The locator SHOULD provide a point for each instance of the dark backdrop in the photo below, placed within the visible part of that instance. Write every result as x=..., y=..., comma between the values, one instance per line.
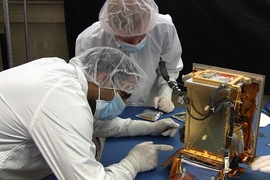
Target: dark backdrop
x=226, y=33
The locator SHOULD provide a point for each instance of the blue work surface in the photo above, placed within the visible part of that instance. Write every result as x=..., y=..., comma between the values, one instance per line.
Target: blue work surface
x=116, y=149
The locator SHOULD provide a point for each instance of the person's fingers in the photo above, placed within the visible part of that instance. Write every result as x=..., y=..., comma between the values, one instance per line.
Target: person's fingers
x=170, y=132
x=173, y=124
x=163, y=147
x=255, y=168
x=170, y=122
x=147, y=142
x=161, y=102
x=166, y=105
x=155, y=101
x=166, y=133
x=261, y=159
x=173, y=132
x=265, y=169
x=262, y=164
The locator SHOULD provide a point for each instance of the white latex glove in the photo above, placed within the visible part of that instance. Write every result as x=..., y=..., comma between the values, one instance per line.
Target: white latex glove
x=143, y=157
x=164, y=127
x=163, y=101
x=261, y=164
x=164, y=104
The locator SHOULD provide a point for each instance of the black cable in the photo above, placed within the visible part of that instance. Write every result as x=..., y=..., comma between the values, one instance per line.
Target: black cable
x=213, y=109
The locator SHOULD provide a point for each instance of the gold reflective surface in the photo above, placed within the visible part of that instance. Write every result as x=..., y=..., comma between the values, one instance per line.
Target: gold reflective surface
x=222, y=118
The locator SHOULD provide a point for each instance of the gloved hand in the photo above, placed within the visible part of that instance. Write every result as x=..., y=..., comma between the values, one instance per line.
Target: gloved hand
x=164, y=104
x=143, y=157
x=164, y=127
x=261, y=164
x=163, y=101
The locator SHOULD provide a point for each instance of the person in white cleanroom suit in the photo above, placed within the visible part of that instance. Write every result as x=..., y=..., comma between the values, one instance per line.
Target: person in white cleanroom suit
x=136, y=28
x=47, y=117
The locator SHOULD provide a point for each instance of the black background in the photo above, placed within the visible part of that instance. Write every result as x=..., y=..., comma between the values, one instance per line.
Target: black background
x=232, y=34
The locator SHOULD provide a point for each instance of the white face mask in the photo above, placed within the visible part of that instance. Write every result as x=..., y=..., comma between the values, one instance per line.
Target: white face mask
x=132, y=48
x=108, y=110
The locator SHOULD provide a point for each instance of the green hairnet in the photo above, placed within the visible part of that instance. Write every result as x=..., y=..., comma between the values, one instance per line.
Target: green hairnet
x=110, y=68
x=128, y=17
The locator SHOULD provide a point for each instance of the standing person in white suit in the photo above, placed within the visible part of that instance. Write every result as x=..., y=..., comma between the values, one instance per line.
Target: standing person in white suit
x=136, y=28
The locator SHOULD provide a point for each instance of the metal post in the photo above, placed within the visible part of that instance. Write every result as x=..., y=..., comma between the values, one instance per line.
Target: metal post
x=7, y=32
x=26, y=31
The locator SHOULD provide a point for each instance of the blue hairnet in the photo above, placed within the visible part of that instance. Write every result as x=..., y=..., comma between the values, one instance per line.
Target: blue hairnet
x=128, y=18
x=110, y=68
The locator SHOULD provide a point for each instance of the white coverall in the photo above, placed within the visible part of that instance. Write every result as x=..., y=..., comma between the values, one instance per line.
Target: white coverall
x=162, y=42
x=46, y=124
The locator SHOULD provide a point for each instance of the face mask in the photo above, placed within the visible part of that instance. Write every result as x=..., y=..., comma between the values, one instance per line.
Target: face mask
x=133, y=48
x=108, y=110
